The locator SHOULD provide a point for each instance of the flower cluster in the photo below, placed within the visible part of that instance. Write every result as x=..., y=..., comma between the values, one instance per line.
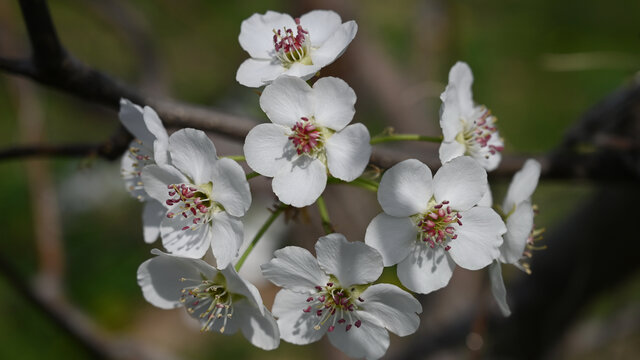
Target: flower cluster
x=429, y=224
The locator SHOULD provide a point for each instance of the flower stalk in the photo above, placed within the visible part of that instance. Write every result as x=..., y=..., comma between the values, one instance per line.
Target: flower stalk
x=274, y=215
x=404, y=137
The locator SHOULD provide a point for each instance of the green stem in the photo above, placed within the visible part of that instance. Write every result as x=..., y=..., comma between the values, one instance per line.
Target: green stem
x=261, y=232
x=359, y=182
x=324, y=215
x=251, y=175
x=235, y=157
x=404, y=137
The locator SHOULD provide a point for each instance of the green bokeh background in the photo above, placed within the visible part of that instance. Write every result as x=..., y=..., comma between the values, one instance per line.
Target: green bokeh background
x=512, y=47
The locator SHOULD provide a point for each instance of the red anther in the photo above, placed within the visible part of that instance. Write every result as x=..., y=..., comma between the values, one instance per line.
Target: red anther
x=308, y=309
x=184, y=214
x=448, y=209
x=319, y=312
x=322, y=298
x=171, y=193
x=170, y=215
x=185, y=228
x=434, y=216
x=430, y=224
x=318, y=288
x=446, y=248
x=169, y=202
x=449, y=230
x=445, y=202
x=329, y=284
x=438, y=206
x=170, y=186
x=344, y=301
x=358, y=323
x=333, y=311
x=331, y=328
x=441, y=212
x=459, y=215
x=361, y=299
x=309, y=299
x=454, y=237
x=459, y=222
x=342, y=321
x=193, y=211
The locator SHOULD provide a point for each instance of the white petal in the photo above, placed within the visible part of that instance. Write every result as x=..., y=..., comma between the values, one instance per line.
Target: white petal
x=152, y=215
x=405, y=189
x=487, y=198
x=519, y=226
x=320, y=24
x=238, y=285
x=353, y=263
x=230, y=187
x=450, y=150
x=348, y=152
x=286, y=100
x=461, y=77
x=393, y=237
x=160, y=276
x=267, y=149
x=161, y=143
x=188, y=243
x=294, y=268
x=425, y=269
x=369, y=341
x=258, y=72
x=131, y=116
x=450, y=114
x=479, y=238
x=302, y=71
x=227, y=234
x=193, y=153
x=300, y=182
x=157, y=178
x=497, y=287
x=334, y=103
x=256, y=33
x=335, y=45
x=295, y=325
x=461, y=181
x=260, y=328
x=395, y=308
x=523, y=184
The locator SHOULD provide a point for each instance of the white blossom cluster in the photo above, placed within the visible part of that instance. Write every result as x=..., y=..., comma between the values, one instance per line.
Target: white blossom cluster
x=429, y=224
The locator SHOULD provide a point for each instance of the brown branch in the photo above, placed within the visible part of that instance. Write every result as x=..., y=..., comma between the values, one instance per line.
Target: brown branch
x=61, y=71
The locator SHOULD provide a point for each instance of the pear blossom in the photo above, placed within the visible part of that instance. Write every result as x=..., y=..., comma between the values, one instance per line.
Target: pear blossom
x=518, y=215
x=333, y=294
x=149, y=147
x=220, y=299
x=203, y=198
x=279, y=44
x=308, y=137
x=468, y=129
x=430, y=224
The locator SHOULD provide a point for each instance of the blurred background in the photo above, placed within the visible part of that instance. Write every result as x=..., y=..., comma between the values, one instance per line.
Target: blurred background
x=70, y=230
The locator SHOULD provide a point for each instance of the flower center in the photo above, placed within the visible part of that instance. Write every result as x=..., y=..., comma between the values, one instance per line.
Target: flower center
x=479, y=134
x=140, y=157
x=535, y=236
x=436, y=226
x=307, y=137
x=334, y=302
x=192, y=202
x=290, y=48
x=210, y=299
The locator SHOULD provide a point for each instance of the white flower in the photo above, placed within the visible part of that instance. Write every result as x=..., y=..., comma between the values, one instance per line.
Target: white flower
x=279, y=44
x=220, y=299
x=332, y=295
x=421, y=228
x=518, y=213
x=468, y=129
x=149, y=147
x=203, y=196
x=308, y=135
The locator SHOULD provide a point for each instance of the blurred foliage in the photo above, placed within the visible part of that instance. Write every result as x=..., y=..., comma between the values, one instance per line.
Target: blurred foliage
x=512, y=47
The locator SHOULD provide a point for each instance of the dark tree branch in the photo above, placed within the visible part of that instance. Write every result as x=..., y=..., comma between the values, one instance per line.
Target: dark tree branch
x=63, y=72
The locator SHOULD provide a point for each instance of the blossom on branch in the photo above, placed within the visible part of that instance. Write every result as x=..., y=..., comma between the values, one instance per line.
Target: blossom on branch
x=203, y=197
x=431, y=224
x=333, y=294
x=279, y=44
x=220, y=299
x=468, y=129
x=518, y=214
x=149, y=147
x=308, y=136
